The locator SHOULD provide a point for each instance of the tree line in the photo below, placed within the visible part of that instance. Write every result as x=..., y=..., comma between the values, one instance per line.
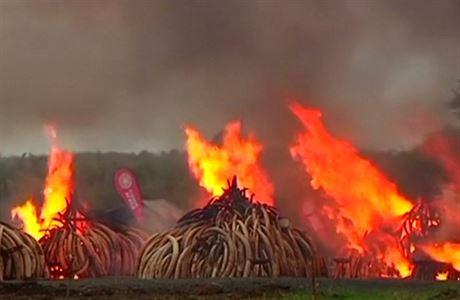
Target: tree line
x=162, y=175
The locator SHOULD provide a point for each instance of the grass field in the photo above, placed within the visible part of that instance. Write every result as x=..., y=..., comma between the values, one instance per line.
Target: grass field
x=210, y=289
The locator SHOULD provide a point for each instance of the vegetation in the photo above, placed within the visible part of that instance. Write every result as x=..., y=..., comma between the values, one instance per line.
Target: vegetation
x=166, y=176
x=289, y=289
x=162, y=176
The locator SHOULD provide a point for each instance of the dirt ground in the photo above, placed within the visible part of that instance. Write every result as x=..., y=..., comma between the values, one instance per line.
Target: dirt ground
x=230, y=288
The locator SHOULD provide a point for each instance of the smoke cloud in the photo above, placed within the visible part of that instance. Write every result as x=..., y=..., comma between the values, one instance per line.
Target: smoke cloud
x=128, y=75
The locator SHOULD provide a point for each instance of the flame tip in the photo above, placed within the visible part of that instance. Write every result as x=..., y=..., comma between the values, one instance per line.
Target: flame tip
x=215, y=165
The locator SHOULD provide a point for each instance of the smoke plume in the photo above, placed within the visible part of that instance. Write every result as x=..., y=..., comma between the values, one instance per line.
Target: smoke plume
x=127, y=75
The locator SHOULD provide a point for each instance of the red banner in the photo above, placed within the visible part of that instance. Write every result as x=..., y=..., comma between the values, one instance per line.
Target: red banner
x=128, y=187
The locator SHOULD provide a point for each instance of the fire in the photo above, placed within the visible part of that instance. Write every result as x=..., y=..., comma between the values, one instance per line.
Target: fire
x=442, y=276
x=214, y=165
x=28, y=212
x=369, y=207
x=446, y=253
x=57, y=193
x=444, y=147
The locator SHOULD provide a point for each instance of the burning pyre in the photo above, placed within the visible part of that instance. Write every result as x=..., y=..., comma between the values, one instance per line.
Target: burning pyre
x=231, y=236
x=385, y=234
x=92, y=250
x=73, y=245
x=382, y=228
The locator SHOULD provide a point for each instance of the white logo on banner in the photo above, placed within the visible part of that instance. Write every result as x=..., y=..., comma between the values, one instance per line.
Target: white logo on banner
x=125, y=181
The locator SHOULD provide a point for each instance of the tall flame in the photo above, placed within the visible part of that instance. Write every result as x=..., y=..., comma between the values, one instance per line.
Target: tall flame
x=368, y=205
x=213, y=165
x=57, y=192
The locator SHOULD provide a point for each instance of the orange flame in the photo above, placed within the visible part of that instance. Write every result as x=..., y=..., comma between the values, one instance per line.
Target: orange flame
x=366, y=201
x=444, y=147
x=442, y=276
x=445, y=253
x=57, y=193
x=213, y=165
x=28, y=212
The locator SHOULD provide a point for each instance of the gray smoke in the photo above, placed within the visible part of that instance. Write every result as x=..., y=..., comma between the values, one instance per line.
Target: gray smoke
x=127, y=75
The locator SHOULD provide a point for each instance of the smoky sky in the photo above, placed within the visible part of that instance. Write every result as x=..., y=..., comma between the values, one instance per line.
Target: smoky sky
x=129, y=75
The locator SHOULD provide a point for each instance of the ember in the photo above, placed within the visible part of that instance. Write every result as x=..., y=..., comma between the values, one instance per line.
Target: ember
x=99, y=251
x=442, y=276
x=231, y=236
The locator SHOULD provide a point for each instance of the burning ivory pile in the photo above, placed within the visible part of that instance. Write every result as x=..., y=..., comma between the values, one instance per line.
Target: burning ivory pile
x=231, y=236
x=80, y=248
x=21, y=255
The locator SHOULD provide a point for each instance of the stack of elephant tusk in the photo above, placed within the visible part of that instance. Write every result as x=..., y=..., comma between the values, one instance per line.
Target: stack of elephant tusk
x=21, y=255
x=92, y=250
x=232, y=236
x=417, y=223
